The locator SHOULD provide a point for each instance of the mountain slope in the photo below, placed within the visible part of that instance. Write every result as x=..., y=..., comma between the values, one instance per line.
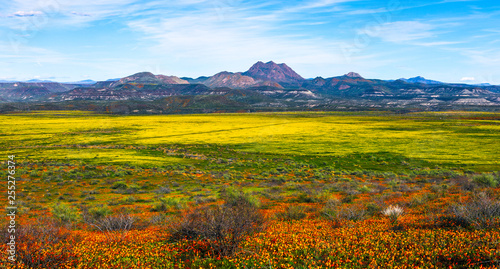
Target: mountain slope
x=236, y=81
x=422, y=80
x=280, y=73
x=230, y=80
x=149, y=78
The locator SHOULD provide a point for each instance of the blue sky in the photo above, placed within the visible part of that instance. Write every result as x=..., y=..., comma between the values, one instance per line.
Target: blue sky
x=71, y=40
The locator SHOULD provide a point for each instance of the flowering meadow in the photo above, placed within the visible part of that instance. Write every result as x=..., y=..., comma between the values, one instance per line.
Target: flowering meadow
x=269, y=190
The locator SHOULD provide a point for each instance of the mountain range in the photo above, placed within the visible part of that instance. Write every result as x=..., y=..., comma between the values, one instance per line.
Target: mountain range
x=262, y=86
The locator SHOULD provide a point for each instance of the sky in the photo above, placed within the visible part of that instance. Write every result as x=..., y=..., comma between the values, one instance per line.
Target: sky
x=71, y=40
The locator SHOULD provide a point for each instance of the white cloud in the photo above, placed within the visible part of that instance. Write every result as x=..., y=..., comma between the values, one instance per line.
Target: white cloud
x=468, y=79
x=26, y=13
x=366, y=11
x=80, y=14
x=324, y=3
x=317, y=4
x=201, y=38
x=488, y=58
x=64, y=12
x=437, y=43
x=400, y=31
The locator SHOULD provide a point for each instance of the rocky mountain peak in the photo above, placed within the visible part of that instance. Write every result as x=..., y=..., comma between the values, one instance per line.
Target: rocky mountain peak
x=273, y=72
x=353, y=75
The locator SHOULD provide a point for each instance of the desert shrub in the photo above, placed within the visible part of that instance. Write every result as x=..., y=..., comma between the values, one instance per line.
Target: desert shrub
x=43, y=243
x=394, y=184
x=349, y=198
x=334, y=211
x=131, y=189
x=159, y=219
x=98, y=211
x=165, y=204
x=65, y=213
x=119, y=185
x=393, y=212
x=163, y=190
x=204, y=200
x=364, y=189
x=372, y=209
x=352, y=213
x=235, y=197
x=223, y=227
x=417, y=200
x=292, y=213
x=331, y=207
x=117, y=222
x=488, y=180
x=481, y=211
x=465, y=184
x=309, y=197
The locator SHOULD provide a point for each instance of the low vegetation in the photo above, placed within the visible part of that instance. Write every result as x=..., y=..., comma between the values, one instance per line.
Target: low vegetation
x=290, y=190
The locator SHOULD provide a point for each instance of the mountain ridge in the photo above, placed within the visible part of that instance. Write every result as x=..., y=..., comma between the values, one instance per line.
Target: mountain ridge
x=264, y=85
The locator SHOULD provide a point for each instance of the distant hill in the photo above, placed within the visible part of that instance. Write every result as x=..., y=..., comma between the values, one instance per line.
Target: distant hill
x=263, y=87
x=195, y=80
x=270, y=71
x=37, y=81
x=231, y=80
x=149, y=78
x=422, y=80
x=236, y=81
x=82, y=82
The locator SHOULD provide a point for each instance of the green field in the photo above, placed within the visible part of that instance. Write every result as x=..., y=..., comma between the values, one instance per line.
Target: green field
x=457, y=140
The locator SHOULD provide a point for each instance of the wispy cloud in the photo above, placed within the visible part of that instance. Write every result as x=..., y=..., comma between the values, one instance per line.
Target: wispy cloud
x=30, y=54
x=485, y=57
x=315, y=5
x=437, y=43
x=80, y=14
x=396, y=6
x=400, y=31
x=366, y=11
x=65, y=13
x=468, y=79
x=247, y=35
x=203, y=36
x=323, y=3
x=25, y=13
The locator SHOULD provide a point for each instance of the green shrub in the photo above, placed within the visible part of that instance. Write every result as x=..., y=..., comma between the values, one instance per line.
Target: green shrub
x=292, y=213
x=234, y=197
x=304, y=197
x=331, y=207
x=119, y=185
x=65, y=213
x=129, y=200
x=334, y=211
x=417, y=201
x=99, y=211
x=488, y=180
x=364, y=189
x=394, y=184
x=165, y=204
x=373, y=209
